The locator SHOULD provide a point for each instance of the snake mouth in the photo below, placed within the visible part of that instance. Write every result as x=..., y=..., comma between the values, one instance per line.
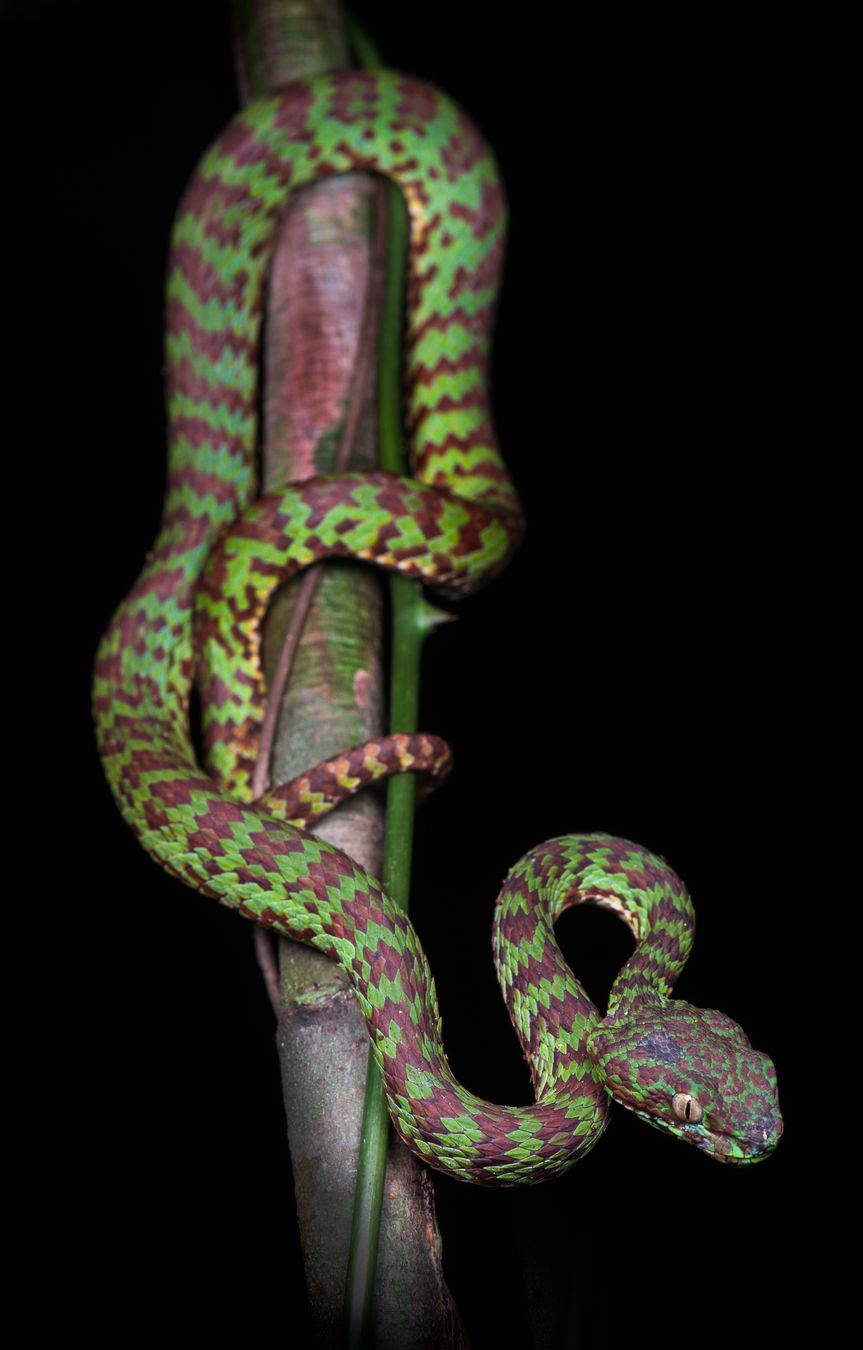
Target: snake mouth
x=735, y=1149
x=740, y=1150
x=730, y=1151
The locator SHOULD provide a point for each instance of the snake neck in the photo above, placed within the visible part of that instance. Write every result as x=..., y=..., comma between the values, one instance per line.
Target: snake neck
x=598, y=869
x=663, y=922
x=555, y=1025
x=644, y=995
x=645, y=981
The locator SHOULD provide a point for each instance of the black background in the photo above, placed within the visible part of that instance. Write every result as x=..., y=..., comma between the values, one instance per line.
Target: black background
x=667, y=659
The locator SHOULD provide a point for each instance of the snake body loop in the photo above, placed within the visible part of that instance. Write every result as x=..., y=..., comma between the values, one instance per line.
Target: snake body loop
x=200, y=601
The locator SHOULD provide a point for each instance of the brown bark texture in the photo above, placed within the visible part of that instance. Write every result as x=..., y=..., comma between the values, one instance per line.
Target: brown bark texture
x=317, y=298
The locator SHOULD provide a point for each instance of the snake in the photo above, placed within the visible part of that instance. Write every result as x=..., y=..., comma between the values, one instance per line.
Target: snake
x=195, y=614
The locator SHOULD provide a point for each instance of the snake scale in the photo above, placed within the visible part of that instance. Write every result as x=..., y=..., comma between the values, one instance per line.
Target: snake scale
x=196, y=612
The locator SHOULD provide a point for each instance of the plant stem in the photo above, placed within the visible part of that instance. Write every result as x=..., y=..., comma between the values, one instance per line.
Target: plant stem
x=412, y=618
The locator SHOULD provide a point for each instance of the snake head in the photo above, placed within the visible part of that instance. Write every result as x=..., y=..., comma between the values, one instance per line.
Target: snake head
x=691, y=1072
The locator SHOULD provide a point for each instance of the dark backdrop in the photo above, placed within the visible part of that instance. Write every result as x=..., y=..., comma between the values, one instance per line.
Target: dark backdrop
x=665, y=659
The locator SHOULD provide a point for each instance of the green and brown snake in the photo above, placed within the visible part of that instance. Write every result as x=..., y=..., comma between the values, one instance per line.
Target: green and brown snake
x=197, y=609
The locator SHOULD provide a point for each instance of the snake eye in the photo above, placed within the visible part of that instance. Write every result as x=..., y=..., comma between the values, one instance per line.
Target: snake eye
x=686, y=1107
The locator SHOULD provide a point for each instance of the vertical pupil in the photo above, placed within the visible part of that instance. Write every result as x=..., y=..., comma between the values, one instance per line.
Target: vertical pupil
x=687, y=1110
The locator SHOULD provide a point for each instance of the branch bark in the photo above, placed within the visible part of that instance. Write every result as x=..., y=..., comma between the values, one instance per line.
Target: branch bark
x=319, y=284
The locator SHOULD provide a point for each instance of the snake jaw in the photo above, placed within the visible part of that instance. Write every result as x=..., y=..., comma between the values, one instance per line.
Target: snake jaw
x=736, y=1149
x=739, y=1150
x=725, y=1148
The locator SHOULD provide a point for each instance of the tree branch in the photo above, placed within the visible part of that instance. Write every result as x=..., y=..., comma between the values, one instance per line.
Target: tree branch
x=317, y=344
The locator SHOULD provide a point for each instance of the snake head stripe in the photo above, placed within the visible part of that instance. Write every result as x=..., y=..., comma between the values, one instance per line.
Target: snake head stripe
x=691, y=1072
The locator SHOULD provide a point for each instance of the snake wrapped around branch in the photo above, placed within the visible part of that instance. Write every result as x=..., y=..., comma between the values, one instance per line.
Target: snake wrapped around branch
x=196, y=613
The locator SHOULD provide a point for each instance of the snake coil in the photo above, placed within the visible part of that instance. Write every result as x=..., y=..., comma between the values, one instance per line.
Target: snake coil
x=200, y=602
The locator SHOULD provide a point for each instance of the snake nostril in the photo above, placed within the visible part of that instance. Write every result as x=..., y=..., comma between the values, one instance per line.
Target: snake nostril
x=767, y=1127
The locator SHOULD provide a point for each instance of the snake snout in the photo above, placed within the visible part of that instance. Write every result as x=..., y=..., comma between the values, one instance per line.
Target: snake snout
x=756, y=1142
x=766, y=1130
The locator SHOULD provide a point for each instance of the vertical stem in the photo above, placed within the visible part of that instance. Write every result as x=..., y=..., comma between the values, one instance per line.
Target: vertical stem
x=412, y=619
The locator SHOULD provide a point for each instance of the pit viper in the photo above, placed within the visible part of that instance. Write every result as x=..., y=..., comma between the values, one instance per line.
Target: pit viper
x=196, y=613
